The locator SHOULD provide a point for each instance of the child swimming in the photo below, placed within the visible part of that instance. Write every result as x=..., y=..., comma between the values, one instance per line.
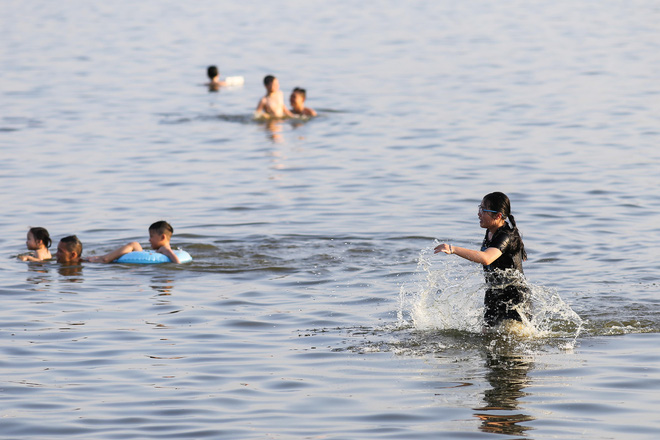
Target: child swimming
x=297, y=100
x=38, y=241
x=272, y=105
x=160, y=234
x=214, y=75
x=502, y=253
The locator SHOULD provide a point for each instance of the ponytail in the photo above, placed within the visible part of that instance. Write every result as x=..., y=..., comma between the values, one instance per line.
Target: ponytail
x=518, y=236
x=41, y=234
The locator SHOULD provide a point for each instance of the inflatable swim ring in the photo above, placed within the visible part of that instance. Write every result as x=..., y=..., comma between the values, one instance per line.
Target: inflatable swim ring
x=152, y=257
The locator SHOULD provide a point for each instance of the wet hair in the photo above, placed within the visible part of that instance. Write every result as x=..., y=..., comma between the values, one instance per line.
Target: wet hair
x=162, y=227
x=72, y=244
x=303, y=92
x=42, y=235
x=268, y=80
x=499, y=202
x=212, y=72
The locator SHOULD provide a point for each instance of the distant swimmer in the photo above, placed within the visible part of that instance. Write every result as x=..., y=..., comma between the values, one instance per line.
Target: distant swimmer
x=160, y=234
x=38, y=241
x=297, y=100
x=214, y=75
x=272, y=105
x=215, y=82
x=502, y=253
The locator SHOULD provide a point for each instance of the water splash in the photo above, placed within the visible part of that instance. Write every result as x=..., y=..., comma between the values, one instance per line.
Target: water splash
x=449, y=296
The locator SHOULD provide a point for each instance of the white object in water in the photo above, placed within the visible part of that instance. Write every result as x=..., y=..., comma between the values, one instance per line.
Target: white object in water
x=234, y=80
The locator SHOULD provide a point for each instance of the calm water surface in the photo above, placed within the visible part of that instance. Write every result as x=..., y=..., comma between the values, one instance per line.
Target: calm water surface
x=314, y=307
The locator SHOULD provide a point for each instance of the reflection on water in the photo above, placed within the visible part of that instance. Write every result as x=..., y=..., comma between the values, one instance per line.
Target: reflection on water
x=39, y=273
x=162, y=285
x=274, y=130
x=506, y=374
x=71, y=273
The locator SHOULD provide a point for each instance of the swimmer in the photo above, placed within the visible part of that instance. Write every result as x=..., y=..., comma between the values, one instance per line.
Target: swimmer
x=214, y=75
x=502, y=253
x=272, y=105
x=297, y=100
x=69, y=250
x=160, y=234
x=38, y=241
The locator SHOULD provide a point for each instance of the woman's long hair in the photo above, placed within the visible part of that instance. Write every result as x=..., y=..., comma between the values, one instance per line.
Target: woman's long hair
x=499, y=202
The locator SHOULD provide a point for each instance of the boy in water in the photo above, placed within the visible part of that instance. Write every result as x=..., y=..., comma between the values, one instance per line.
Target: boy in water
x=272, y=105
x=214, y=75
x=297, y=100
x=69, y=250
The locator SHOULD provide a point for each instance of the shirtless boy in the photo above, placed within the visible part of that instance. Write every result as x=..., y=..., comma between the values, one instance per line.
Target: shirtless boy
x=272, y=105
x=297, y=100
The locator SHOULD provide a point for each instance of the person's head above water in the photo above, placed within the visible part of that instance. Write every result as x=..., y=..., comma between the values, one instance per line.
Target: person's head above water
x=160, y=234
x=212, y=72
x=38, y=235
x=69, y=250
x=297, y=99
x=300, y=91
x=271, y=83
x=498, y=206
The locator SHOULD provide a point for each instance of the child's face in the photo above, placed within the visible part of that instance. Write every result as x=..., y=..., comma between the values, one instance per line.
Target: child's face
x=297, y=101
x=63, y=255
x=157, y=240
x=274, y=86
x=31, y=243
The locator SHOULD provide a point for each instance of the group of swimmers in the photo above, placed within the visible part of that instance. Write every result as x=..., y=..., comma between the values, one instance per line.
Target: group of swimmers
x=501, y=255
x=272, y=104
x=70, y=248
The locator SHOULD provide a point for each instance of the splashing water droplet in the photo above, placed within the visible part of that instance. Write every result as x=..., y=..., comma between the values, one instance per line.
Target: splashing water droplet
x=449, y=296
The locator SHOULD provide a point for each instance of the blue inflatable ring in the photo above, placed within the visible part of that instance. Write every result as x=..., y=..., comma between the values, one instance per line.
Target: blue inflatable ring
x=152, y=257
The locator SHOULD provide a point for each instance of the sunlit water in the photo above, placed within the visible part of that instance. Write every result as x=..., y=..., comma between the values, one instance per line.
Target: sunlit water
x=314, y=307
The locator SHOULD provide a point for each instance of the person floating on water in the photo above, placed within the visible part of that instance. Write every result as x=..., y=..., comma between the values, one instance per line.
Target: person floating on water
x=272, y=105
x=297, y=100
x=160, y=234
x=502, y=253
x=69, y=249
x=38, y=241
x=215, y=83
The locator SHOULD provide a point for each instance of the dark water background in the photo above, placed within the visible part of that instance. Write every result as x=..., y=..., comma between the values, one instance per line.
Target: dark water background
x=313, y=307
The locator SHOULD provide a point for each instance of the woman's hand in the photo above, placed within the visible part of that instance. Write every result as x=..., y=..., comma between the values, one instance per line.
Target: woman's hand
x=444, y=247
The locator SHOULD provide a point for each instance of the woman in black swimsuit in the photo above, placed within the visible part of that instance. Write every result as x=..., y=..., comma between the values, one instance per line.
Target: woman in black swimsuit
x=502, y=253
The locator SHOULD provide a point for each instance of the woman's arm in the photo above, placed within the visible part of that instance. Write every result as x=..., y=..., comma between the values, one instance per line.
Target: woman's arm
x=482, y=257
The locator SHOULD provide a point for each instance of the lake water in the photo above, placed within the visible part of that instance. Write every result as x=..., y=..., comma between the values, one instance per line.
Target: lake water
x=314, y=307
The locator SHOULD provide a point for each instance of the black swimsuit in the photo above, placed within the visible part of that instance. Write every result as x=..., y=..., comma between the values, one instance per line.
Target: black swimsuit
x=504, y=278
